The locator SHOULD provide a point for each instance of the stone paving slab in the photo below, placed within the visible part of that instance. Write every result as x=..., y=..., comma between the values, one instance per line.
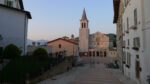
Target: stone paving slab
x=97, y=75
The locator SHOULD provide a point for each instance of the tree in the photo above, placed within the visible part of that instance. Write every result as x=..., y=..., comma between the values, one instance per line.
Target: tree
x=1, y=38
x=40, y=53
x=114, y=43
x=11, y=51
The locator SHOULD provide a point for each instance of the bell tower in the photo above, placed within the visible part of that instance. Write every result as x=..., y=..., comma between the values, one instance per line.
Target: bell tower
x=84, y=35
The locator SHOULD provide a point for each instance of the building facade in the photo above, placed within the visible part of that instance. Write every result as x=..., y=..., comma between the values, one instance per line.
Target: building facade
x=14, y=24
x=84, y=35
x=64, y=47
x=31, y=48
x=135, y=23
x=98, y=45
x=118, y=10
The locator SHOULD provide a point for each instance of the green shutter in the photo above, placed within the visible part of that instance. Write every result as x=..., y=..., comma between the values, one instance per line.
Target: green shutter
x=11, y=4
x=5, y=2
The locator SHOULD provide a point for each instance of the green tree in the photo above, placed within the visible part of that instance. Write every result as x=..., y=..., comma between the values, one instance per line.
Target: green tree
x=114, y=43
x=40, y=53
x=11, y=51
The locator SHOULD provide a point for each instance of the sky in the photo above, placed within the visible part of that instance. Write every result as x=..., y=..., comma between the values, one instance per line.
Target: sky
x=52, y=19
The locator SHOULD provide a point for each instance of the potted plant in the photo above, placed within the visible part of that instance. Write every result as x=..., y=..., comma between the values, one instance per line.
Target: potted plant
x=127, y=31
x=148, y=79
x=135, y=48
x=134, y=27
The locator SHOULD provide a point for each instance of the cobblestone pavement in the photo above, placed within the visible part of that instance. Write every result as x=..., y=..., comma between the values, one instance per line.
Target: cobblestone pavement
x=96, y=74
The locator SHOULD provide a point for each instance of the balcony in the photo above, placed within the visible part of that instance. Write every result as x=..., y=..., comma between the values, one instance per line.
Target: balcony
x=135, y=48
x=133, y=27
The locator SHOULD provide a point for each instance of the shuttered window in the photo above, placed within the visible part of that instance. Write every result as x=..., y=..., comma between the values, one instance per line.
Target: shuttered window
x=136, y=42
x=135, y=17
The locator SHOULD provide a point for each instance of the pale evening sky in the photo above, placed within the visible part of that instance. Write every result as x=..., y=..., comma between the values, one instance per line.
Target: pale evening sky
x=56, y=18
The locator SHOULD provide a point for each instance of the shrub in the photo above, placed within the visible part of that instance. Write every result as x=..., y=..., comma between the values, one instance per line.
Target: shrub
x=1, y=51
x=40, y=53
x=11, y=51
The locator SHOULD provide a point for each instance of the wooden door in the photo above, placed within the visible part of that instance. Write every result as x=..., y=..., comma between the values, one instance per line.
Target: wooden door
x=137, y=69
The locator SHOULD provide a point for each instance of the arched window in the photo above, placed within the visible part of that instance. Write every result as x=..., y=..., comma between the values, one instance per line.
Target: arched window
x=84, y=25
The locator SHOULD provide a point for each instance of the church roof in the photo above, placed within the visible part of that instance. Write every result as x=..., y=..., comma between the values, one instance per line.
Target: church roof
x=84, y=15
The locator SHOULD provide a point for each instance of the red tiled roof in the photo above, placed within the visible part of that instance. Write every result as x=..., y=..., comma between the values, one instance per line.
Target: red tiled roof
x=63, y=40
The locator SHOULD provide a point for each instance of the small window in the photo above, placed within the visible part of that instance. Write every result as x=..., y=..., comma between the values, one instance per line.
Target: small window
x=135, y=17
x=10, y=3
x=59, y=46
x=127, y=23
x=136, y=42
x=93, y=53
x=128, y=42
x=84, y=25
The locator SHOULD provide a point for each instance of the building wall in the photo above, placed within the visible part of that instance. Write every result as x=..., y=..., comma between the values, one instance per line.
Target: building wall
x=129, y=13
x=13, y=28
x=71, y=49
x=142, y=32
x=146, y=33
x=99, y=41
x=30, y=49
x=84, y=39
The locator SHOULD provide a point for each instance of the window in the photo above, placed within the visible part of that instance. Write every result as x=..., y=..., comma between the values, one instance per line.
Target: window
x=124, y=56
x=135, y=17
x=59, y=46
x=93, y=53
x=127, y=23
x=128, y=42
x=97, y=53
x=124, y=43
x=128, y=59
x=8, y=3
x=136, y=42
x=82, y=25
x=90, y=54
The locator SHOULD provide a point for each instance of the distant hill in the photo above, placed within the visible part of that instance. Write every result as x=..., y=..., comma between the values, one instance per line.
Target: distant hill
x=42, y=42
x=111, y=36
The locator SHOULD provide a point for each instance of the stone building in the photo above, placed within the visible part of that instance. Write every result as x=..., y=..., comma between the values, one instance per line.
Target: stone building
x=14, y=24
x=98, y=44
x=64, y=46
x=31, y=48
x=133, y=20
x=118, y=10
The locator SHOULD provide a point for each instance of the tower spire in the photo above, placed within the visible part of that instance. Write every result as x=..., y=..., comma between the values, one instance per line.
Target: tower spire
x=84, y=15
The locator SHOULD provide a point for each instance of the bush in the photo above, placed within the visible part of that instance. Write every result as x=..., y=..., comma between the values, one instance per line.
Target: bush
x=1, y=51
x=40, y=53
x=11, y=51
